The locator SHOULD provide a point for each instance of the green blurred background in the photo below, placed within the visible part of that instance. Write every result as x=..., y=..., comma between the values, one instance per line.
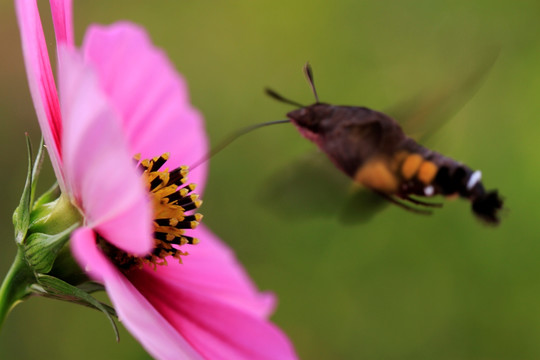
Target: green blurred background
x=401, y=286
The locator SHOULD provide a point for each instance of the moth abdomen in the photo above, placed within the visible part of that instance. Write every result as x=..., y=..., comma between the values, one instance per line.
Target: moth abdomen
x=486, y=206
x=427, y=173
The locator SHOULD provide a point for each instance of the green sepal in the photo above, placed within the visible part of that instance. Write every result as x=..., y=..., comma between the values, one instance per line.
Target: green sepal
x=37, y=169
x=21, y=216
x=91, y=287
x=55, y=288
x=41, y=250
x=54, y=217
x=49, y=196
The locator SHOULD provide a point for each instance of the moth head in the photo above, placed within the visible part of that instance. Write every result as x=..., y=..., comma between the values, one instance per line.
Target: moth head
x=311, y=117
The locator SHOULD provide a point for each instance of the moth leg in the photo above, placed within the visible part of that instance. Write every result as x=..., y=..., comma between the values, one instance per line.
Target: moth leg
x=420, y=202
x=402, y=205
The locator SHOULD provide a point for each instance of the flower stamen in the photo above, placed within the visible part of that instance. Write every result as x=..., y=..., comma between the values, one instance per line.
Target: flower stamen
x=171, y=199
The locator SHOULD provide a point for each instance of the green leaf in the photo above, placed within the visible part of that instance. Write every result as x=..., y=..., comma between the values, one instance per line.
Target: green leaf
x=21, y=216
x=58, y=289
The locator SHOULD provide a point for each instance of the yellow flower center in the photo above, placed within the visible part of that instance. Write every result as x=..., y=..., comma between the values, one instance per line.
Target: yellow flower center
x=171, y=200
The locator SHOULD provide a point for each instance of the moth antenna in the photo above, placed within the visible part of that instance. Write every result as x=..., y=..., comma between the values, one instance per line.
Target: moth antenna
x=216, y=149
x=283, y=99
x=309, y=76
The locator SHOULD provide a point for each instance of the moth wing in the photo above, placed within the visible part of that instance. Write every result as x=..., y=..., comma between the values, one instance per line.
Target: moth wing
x=424, y=114
x=361, y=205
x=311, y=187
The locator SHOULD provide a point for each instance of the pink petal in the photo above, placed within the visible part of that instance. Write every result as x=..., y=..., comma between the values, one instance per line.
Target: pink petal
x=41, y=81
x=62, y=14
x=100, y=172
x=150, y=95
x=213, y=304
x=158, y=337
x=211, y=267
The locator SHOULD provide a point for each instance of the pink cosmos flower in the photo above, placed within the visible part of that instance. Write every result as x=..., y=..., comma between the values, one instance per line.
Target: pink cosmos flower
x=120, y=96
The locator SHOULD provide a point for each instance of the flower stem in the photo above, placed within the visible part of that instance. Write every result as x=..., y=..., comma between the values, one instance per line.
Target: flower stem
x=16, y=285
